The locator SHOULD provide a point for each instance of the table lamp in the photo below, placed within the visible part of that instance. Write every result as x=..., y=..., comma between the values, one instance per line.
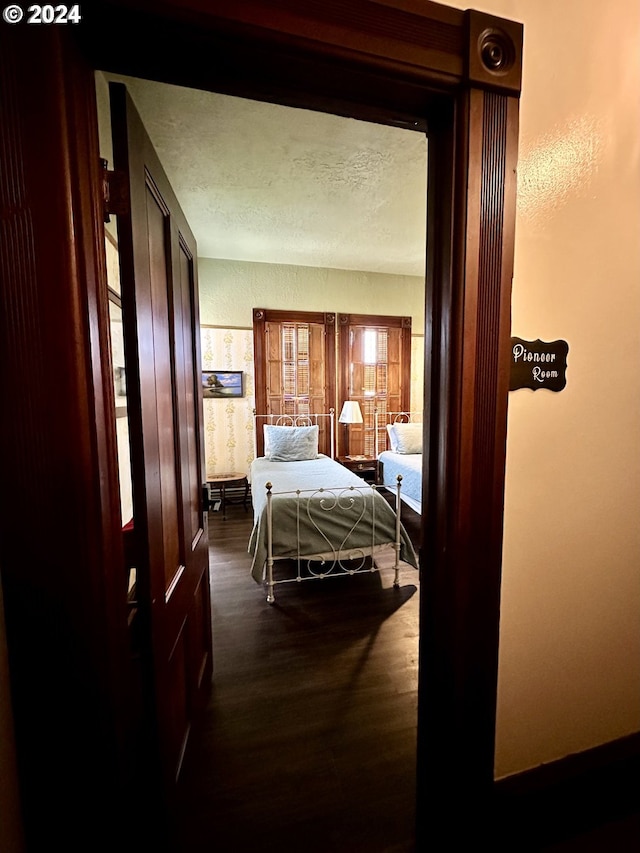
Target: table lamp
x=350, y=414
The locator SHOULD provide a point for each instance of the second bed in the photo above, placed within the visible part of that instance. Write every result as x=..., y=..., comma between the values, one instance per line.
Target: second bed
x=399, y=451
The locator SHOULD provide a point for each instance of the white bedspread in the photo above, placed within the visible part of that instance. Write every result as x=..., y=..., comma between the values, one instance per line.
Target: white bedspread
x=295, y=533
x=410, y=466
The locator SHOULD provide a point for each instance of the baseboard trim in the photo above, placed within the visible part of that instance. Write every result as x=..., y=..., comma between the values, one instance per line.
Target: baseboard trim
x=574, y=794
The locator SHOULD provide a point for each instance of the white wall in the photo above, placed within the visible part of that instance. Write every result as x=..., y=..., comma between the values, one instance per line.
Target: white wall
x=570, y=627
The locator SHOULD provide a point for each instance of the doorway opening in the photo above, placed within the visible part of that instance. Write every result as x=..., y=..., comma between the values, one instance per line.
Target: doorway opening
x=312, y=214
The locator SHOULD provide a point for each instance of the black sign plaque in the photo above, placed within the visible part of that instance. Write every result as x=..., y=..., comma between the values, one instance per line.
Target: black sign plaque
x=538, y=364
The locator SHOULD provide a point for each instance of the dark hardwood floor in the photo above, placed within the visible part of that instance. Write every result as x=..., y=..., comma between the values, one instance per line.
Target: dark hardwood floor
x=309, y=739
x=308, y=742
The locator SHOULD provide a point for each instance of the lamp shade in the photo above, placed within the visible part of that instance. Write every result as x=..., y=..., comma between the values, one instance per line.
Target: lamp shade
x=350, y=413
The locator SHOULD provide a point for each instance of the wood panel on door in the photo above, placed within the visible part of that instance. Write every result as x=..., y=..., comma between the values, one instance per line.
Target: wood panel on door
x=162, y=352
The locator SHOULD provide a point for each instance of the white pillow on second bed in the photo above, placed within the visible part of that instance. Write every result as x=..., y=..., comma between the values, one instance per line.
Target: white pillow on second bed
x=290, y=444
x=405, y=438
x=393, y=441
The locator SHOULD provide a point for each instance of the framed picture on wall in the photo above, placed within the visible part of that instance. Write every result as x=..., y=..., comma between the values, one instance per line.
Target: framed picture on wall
x=222, y=383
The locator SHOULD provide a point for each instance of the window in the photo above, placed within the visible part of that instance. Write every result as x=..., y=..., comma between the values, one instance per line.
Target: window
x=294, y=354
x=295, y=365
x=374, y=354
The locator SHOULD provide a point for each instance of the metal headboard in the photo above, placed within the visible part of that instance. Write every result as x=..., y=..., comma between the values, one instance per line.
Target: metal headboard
x=382, y=419
x=311, y=419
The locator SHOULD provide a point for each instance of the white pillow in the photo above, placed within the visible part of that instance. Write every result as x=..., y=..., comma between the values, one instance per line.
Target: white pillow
x=408, y=438
x=290, y=444
x=266, y=432
x=265, y=440
x=393, y=441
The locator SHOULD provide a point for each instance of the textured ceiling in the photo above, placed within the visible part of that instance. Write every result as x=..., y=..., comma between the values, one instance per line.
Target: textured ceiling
x=261, y=182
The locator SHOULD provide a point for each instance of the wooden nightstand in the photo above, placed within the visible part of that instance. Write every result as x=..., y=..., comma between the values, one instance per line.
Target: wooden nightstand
x=366, y=467
x=230, y=487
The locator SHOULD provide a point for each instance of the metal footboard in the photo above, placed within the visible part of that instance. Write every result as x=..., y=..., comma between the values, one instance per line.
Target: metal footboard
x=335, y=558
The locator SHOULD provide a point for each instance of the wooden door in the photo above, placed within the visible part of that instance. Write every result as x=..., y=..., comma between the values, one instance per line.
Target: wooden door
x=162, y=354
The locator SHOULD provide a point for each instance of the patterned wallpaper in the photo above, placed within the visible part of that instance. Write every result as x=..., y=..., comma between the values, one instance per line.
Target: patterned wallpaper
x=117, y=355
x=228, y=424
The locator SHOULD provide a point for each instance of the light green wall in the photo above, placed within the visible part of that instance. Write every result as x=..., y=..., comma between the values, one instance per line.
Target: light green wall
x=229, y=290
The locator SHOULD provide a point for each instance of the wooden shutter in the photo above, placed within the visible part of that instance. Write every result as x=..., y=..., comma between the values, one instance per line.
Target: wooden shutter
x=374, y=354
x=294, y=353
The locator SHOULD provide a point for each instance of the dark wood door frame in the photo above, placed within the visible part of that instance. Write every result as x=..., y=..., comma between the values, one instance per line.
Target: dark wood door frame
x=454, y=75
x=60, y=532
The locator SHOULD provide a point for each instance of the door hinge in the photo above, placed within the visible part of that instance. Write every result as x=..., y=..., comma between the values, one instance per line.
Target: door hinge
x=115, y=192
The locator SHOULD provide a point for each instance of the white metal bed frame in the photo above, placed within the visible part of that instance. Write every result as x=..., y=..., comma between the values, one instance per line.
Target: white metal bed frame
x=298, y=420
x=332, y=562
